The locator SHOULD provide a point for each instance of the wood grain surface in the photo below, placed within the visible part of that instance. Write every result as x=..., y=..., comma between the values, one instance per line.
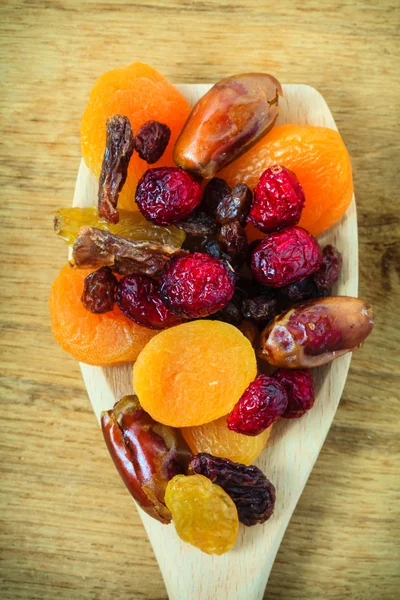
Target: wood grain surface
x=67, y=525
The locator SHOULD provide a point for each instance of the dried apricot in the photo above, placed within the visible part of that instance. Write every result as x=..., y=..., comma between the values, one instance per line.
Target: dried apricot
x=215, y=438
x=97, y=339
x=142, y=94
x=204, y=515
x=193, y=373
x=320, y=161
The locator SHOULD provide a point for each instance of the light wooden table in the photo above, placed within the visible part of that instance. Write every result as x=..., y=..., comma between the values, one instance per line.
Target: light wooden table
x=68, y=528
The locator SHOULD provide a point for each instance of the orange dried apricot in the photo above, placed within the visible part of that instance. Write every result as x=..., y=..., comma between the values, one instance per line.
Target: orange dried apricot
x=215, y=438
x=193, y=373
x=318, y=157
x=102, y=339
x=142, y=94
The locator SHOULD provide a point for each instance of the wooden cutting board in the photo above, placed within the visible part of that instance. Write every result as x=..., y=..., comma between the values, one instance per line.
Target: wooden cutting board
x=293, y=447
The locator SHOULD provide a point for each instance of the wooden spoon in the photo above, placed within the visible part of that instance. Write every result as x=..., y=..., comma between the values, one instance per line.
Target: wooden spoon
x=293, y=448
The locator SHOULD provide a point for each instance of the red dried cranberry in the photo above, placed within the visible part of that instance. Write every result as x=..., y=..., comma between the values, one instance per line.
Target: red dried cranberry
x=98, y=291
x=214, y=191
x=197, y=285
x=299, y=387
x=261, y=404
x=252, y=493
x=139, y=298
x=167, y=195
x=328, y=273
x=233, y=240
x=152, y=140
x=235, y=206
x=278, y=200
x=285, y=257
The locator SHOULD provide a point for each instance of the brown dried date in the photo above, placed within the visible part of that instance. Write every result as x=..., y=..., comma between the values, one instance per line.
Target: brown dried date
x=252, y=493
x=316, y=332
x=94, y=248
x=198, y=224
x=98, y=291
x=228, y=120
x=233, y=240
x=235, y=206
x=152, y=140
x=146, y=454
x=120, y=145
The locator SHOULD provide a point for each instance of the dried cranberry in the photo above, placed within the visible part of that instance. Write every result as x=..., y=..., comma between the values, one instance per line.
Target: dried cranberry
x=260, y=405
x=235, y=206
x=197, y=285
x=214, y=191
x=233, y=240
x=328, y=273
x=278, y=200
x=299, y=387
x=229, y=314
x=98, y=291
x=285, y=257
x=152, y=140
x=167, y=195
x=198, y=224
x=252, y=493
x=260, y=308
x=139, y=298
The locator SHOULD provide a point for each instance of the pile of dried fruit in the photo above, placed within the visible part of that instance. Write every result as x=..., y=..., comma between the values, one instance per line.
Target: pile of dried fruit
x=228, y=267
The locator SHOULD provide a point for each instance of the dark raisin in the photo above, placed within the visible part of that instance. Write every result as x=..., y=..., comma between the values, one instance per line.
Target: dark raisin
x=229, y=314
x=120, y=145
x=152, y=140
x=328, y=273
x=214, y=248
x=198, y=224
x=95, y=248
x=233, y=240
x=98, y=291
x=213, y=193
x=297, y=292
x=252, y=493
x=260, y=308
x=235, y=206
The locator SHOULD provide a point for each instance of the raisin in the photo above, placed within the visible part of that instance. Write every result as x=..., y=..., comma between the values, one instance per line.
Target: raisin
x=120, y=145
x=214, y=248
x=152, y=140
x=197, y=285
x=252, y=493
x=229, y=314
x=299, y=387
x=286, y=257
x=297, y=292
x=260, y=308
x=94, y=248
x=98, y=291
x=233, y=240
x=235, y=206
x=215, y=190
x=278, y=200
x=260, y=405
x=198, y=224
x=139, y=298
x=204, y=515
x=166, y=195
x=328, y=272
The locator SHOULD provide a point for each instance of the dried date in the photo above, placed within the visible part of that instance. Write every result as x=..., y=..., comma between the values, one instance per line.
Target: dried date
x=96, y=248
x=120, y=145
x=252, y=493
x=98, y=291
x=152, y=140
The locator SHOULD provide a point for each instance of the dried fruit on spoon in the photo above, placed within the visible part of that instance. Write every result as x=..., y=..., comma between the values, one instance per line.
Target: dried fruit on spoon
x=217, y=250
